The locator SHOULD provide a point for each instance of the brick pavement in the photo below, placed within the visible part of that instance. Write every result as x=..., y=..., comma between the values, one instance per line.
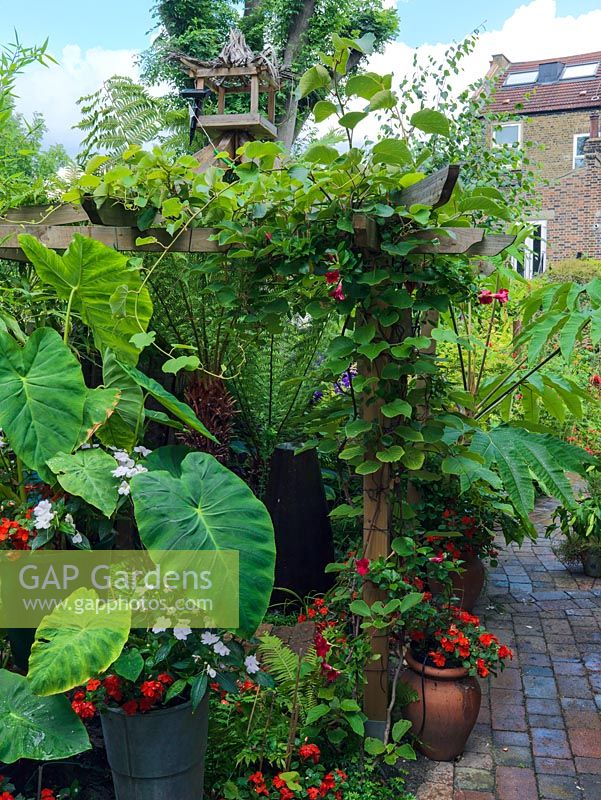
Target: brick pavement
x=538, y=735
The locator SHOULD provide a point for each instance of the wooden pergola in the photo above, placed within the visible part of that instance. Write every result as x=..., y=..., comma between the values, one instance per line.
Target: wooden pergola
x=56, y=226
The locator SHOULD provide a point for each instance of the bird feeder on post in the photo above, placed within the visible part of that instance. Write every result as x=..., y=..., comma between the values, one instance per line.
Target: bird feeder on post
x=236, y=70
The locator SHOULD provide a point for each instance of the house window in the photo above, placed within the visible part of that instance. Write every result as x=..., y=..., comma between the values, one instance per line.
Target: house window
x=521, y=78
x=578, y=151
x=579, y=71
x=510, y=133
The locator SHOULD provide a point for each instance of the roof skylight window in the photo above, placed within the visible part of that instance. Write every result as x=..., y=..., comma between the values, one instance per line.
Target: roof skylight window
x=579, y=71
x=521, y=78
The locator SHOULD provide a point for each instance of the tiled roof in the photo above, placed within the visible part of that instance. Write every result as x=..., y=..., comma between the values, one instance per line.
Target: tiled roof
x=559, y=95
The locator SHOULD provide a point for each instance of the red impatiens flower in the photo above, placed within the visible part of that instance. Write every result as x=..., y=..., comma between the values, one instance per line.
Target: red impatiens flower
x=152, y=689
x=83, y=709
x=47, y=794
x=333, y=276
x=487, y=639
x=482, y=668
x=92, y=684
x=258, y=782
x=337, y=293
x=313, y=792
x=309, y=751
x=438, y=658
x=165, y=679
x=596, y=380
x=112, y=686
x=6, y=796
x=437, y=559
x=502, y=296
x=485, y=297
x=130, y=708
x=286, y=793
x=362, y=566
x=505, y=652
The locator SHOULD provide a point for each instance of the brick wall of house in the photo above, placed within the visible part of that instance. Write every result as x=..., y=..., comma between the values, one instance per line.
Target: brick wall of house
x=572, y=208
x=556, y=133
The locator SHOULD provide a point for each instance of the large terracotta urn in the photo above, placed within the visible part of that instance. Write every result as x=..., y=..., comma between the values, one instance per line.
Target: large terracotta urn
x=446, y=710
x=467, y=584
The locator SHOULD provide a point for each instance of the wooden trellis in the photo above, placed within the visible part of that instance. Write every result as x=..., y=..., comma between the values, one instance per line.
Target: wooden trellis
x=55, y=227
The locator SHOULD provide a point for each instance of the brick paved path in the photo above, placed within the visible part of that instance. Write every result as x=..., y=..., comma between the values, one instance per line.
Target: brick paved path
x=538, y=736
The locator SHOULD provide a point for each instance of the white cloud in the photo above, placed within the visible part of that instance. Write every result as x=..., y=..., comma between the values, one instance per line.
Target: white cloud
x=533, y=31
x=54, y=91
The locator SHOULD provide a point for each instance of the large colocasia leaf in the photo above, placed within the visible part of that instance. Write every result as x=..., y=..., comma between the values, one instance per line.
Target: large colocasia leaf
x=38, y=728
x=206, y=507
x=89, y=474
x=42, y=397
x=107, y=293
x=71, y=647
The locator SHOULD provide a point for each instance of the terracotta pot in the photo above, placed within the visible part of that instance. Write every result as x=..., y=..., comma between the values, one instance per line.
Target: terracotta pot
x=467, y=585
x=447, y=709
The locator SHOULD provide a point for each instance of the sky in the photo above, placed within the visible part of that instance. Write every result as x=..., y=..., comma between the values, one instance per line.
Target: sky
x=93, y=41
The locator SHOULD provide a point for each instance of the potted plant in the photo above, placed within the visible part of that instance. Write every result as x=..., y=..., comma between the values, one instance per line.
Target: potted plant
x=448, y=649
x=153, y=705
x=462, y=528
x=581, y=529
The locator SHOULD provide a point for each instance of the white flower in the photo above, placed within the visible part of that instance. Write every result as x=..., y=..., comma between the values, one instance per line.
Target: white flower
x=182, y=633
x=69, y=519
x=161, y=625
x=77, y=538
x=123, y=488
x=209, y=638
x=211, y=672
x=251, y=664
x=121, y=471
x=122, y=457
x=43, y=514
x=221, y=649
x=143, y=451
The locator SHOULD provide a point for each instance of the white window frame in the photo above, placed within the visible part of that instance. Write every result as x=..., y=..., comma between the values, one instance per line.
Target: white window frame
x=529, y=249
x=564, y=77
x=517, y=125
x=575, y=154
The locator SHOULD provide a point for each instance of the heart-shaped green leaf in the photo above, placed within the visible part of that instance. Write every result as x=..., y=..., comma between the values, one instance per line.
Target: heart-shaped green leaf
x=71, y=646
x=42, y=397
x=39, y=728
x=209, y=508
x=88, y=474
x=93, y=275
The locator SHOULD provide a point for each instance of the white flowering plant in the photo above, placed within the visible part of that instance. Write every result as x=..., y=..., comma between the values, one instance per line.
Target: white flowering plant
x=42, y=521
x=169, y=666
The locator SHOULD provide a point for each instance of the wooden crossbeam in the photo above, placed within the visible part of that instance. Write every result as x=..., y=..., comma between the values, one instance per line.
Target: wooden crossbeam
x=491, y=245
x=434, y=191
x=463, y=240
x=58, y=237
x=49, y=215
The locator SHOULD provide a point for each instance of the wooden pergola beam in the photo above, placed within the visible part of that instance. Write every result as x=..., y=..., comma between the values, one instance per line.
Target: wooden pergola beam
x=435, y=190
x=58, y=237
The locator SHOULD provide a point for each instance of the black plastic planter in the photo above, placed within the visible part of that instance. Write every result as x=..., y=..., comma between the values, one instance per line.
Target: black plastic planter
x=157, y=756
x=297, y=503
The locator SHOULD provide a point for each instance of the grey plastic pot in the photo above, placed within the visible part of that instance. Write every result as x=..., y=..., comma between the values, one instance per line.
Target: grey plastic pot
x=159, y=755
x=591, y=562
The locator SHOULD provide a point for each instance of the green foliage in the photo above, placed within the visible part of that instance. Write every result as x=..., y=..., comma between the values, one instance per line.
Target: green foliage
x=573, y=270
x=37, y=728
x=295, y=676
x=201, y=505
x=88, y=474
x=72, y=645
x=88, y=276
x=42, y=397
